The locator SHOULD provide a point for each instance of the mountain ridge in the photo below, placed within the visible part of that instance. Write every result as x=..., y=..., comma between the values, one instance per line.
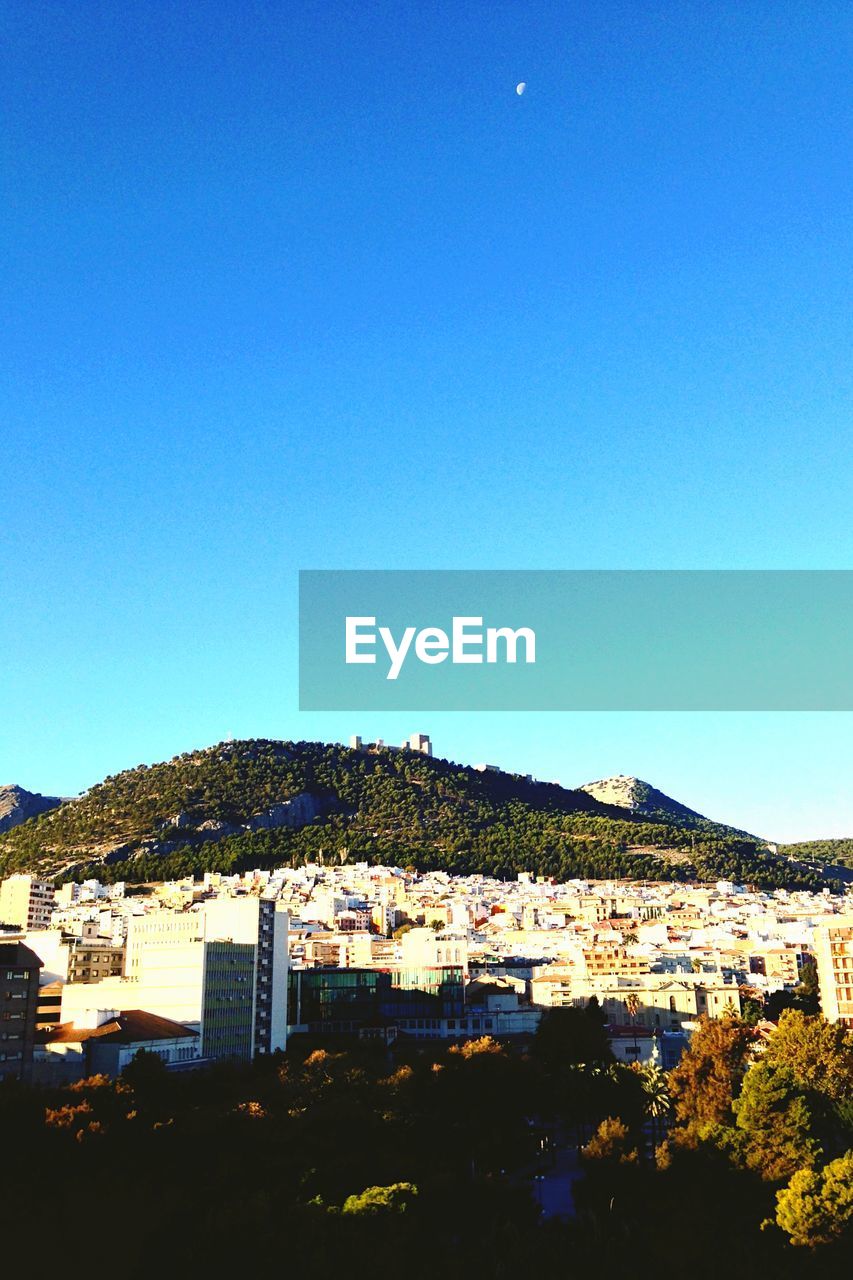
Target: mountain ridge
x=264, y=802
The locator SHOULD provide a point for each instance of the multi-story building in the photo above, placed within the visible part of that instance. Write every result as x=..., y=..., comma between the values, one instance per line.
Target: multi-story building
x=346, y=1002
x=780, y=963
x=220, y=970
x=19, y=985
x=610, y=959
x=651, y=1000
x=68, y=957
x=834, y=955
x=26, y=902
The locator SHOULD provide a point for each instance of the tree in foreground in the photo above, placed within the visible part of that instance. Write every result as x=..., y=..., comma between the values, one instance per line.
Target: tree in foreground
x=657, y=1099
x=395, y=1198
x=707, y=1080
x=774, y=1123
x=816, y=1207
x=819, y=1053
x=571, y=1036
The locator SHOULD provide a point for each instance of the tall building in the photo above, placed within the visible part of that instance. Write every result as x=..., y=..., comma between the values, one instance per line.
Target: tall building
x=221, y=970
x=19, y=985
x=834, y=955
x=26, y=902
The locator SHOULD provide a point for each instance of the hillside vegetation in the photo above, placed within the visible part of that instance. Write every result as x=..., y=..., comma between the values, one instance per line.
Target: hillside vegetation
x=837, y=852
x=264, y=803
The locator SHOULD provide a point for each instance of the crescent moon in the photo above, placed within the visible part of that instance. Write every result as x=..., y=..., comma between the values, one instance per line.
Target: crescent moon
x=520, y=87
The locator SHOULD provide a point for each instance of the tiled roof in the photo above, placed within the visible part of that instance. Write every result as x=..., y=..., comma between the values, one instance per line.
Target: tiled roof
x=131, y=1026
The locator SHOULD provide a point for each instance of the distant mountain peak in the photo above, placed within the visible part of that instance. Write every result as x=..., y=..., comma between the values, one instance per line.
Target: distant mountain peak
x=644, y=800
x=626, y=792
x=17, y=804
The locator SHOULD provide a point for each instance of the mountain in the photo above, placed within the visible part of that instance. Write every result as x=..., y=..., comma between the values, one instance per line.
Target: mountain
x=644, y=800
x=16, y=805
x=261, y=803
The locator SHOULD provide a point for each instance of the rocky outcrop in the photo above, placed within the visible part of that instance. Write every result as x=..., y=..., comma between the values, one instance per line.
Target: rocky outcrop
x=294, y=813
x=297, y=812
x=16, y=805
x=626, y=792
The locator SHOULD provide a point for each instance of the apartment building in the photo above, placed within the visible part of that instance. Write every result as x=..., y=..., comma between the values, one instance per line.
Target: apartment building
x=220, y=970
x=26, y=902
x=68, y=957
x=834, y=955
x=19, y=985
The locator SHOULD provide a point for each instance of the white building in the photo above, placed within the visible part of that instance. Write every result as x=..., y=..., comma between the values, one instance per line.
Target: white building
x=220, y=970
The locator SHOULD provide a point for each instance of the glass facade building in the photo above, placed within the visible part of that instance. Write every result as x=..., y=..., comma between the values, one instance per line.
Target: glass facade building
x=343, y=1001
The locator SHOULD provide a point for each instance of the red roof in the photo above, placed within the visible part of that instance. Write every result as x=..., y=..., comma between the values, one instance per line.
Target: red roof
x=131, y=1026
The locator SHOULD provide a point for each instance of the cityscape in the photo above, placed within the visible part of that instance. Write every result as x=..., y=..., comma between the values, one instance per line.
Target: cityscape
x=426, y=821
x=626, y=1007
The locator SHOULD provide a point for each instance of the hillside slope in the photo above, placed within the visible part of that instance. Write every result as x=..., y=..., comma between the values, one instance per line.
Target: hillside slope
x=645, y=801
x=830, y=853
x=263, y=803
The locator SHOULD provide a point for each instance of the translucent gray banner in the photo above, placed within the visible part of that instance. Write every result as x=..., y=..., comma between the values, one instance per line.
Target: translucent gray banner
x=567, y=640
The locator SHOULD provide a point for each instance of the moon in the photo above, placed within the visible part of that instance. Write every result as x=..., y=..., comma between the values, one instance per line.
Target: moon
x=520, y=87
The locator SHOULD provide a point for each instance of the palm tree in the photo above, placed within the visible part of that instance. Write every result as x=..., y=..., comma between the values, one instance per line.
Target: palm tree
x=632, y=1005
x=658, y=1101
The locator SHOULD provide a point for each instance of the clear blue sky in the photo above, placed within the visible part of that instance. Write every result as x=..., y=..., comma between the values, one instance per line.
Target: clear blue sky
x=309, y=285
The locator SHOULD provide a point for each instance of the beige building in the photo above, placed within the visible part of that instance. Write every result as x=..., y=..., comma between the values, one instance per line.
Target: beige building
x=70, y=958
x=222, y=971
x=834, y=955
x=614, y=960
x=662, y=1001
x=781, y=964
x=26, y=902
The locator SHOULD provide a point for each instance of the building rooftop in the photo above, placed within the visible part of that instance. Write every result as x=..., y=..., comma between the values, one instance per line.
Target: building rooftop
x=128, y=1027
